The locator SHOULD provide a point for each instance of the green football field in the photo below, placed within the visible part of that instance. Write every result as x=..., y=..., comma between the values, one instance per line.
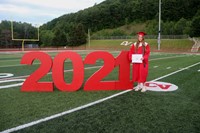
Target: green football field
x=103, y=111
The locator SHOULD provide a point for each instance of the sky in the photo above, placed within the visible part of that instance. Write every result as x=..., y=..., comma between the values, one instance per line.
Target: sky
x=38, y=12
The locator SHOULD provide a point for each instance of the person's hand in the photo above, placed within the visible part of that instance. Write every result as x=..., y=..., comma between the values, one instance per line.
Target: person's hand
x=142, y=58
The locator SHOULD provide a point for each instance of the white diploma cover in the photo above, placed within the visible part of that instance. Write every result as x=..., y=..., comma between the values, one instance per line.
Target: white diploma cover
x=136, y=58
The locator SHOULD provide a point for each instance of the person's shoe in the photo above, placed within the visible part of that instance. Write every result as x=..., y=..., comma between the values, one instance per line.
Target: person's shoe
x=137, y=88
x=144, y=89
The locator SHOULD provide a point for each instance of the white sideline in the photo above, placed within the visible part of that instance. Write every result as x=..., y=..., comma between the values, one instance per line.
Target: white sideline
x=87, y=67
x=86, y=105
x=70, y=70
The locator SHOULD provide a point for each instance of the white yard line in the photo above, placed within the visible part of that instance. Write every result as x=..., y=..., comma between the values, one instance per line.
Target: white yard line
x=40, y=63
x=112, y=52
x=16, y=65
x=10, y=60
x=37, y=63
x=85, y=68
x=168, y=67
x=176, y=71
x=12, y=85
x=25, y=76
x=86, y=105
x=169, y=57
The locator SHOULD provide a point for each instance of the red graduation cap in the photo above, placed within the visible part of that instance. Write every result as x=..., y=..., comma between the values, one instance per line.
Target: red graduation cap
x=141, y=33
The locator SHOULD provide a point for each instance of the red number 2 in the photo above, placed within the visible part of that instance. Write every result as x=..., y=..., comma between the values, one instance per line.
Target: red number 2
x=94, y=82
x=31, y=83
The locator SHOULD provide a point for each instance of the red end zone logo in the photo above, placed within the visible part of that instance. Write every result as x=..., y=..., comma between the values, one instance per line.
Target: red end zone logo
x=160, y=86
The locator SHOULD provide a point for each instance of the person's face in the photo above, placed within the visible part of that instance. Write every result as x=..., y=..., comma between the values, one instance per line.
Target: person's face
x=140, y=38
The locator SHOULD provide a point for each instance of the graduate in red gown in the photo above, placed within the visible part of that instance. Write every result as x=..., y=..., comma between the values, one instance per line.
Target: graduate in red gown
x=140, y=70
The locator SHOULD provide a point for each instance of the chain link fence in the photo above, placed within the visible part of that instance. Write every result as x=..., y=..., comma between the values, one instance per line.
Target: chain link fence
x=135, y=37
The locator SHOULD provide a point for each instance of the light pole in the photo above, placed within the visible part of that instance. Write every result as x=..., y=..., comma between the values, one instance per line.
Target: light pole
x=159, y=29
x=88, y=38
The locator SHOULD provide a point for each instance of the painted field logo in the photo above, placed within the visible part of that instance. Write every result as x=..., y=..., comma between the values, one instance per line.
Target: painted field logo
x=6, y=81
x=161, y=86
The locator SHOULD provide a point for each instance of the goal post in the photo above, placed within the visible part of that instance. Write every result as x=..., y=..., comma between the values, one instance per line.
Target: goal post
x=24, y=39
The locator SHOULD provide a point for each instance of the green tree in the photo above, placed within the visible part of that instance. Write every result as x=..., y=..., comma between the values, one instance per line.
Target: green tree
x=113, y=13
x=152, y=27
x=118, y=32
x=77, y=36
x=60, y=38
x=21, y=30
x=195, y=25
x=46, y=37
x=180, y=26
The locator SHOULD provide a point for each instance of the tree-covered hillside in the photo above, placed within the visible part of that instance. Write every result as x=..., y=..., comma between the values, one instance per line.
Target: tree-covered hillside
x=20, y=31
x=114, y=13
x=178, y=17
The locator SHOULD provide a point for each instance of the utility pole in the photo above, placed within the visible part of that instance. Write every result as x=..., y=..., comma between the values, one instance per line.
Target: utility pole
x=159, y=29
x=88, y=38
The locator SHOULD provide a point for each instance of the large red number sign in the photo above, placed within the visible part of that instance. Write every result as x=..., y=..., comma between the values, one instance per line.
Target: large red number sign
x=124, y=72
x=58, y=71
x=93, y=83
x=31, y=83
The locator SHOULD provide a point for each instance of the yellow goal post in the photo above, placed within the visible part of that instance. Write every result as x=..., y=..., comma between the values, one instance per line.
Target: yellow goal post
x=23, y=39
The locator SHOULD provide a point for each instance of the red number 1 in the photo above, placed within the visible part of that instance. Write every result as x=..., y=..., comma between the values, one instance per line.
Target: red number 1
x=124, y=81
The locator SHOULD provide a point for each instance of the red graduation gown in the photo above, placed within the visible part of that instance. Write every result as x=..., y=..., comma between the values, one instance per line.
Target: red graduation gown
x=140, y=70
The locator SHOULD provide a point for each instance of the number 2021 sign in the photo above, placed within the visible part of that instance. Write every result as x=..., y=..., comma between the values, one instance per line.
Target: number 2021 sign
x=93, y=83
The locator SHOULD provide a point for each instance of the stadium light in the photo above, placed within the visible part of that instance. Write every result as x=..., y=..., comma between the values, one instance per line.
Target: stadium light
x=159, y=30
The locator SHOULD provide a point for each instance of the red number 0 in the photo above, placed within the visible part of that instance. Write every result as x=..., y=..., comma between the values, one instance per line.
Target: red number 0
x=31, y=83
x=58, y=71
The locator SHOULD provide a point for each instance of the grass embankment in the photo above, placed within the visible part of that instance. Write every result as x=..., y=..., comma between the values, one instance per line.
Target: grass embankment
x=176, y=45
